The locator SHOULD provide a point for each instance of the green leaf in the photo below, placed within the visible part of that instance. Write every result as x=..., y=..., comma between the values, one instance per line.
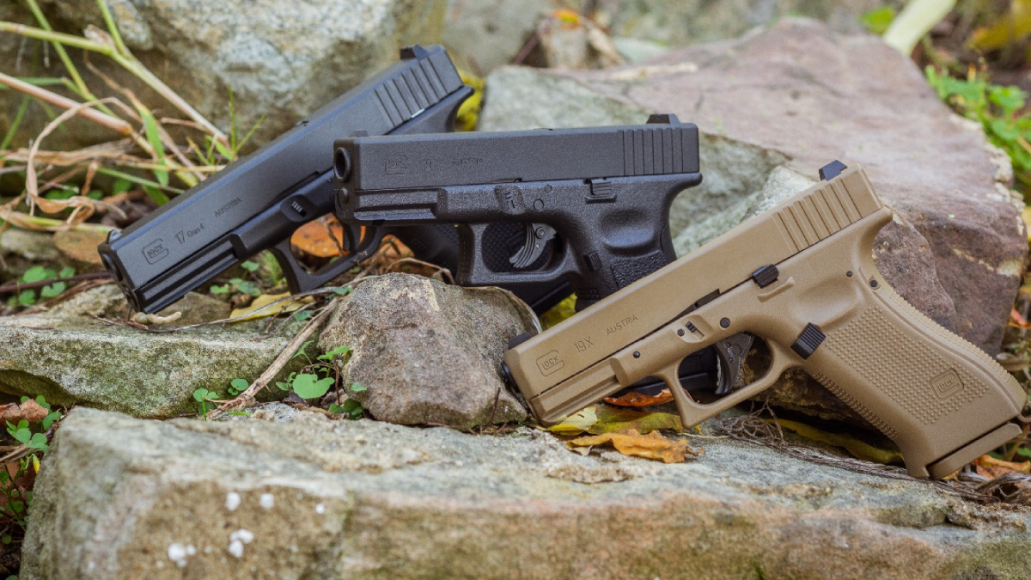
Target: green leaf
x=1010, y=98
x=150, y=126
x=240, y=384
x=309, y=386
x=219, y=289
x=353, y=409
x=222, y=150
x=38, y=441
x=201, y=394
x=156, y=194
x=357, y=387
x=249, y=266
x=53, y=290
x=66, y=272
x=22, y=435
x=42, y=402
x=50, y=419
x=38, y=274
x=336, y=409
x=302, y=315
x=26, y=298
x=300, y=351
x=343, y=291
x=120, y=185
x=283, y=386
x=878, y=20
x=249, y=288
x=338, y=351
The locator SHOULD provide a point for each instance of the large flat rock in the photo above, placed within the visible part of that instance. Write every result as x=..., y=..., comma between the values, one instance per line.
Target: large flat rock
x=289, y=494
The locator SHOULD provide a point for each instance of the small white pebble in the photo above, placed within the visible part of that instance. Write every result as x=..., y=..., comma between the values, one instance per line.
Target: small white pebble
x=232, y=500
x=190, y=550
x=245, y=536
x=267, y=501
x=236, y=548
x=320, y=509
x=177, y=553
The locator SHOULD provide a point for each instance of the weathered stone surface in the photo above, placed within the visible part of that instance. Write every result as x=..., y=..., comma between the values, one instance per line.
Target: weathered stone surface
x=71, y=357
x=29, y=245
x=282, y=59
x=773, y=108
x=307, y=497
x=486, y=34
x=427, y=352
x=684, y=22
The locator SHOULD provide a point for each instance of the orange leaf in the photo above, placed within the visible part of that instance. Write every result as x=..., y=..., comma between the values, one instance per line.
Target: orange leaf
x=1000, y=467
x=30, y=411
x=322, y=238
x=636, y=399
x=650, y=446
x=1018, y=321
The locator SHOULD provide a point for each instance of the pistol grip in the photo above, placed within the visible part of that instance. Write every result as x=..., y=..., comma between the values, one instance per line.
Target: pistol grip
x=943, y=400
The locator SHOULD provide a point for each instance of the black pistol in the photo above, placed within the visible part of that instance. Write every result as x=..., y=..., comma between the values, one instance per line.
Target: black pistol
x=593, y=203
x=257, y=202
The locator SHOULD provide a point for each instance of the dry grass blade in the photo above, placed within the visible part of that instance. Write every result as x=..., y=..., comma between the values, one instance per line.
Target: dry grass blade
x=114, y=151
x=83, y=207
x=113, y=123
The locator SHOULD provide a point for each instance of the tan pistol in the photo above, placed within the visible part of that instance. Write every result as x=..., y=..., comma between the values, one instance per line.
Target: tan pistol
x=801, y=277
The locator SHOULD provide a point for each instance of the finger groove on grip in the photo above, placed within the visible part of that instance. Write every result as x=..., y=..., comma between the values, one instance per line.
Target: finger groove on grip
x=913, y=374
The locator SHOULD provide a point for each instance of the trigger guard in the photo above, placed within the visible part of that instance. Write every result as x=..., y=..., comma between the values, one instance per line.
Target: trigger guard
x=300, y=280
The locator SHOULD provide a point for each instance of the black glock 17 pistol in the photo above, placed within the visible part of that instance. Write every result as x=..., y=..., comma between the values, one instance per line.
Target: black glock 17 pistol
x=257, y=202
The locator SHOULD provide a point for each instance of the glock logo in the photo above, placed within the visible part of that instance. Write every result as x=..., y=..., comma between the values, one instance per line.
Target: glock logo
x=155, y=251
x=549, y=363
x=946, y=384
x=397, y=165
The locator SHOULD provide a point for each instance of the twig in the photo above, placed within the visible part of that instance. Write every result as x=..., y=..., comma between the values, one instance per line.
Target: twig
x=247, y=397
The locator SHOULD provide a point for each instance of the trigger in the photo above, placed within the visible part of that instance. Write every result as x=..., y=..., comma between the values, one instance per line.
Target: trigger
x=731, y=353
x=537, y=237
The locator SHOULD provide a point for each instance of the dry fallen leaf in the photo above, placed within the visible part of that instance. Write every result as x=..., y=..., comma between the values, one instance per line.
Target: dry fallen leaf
x=30, y=411
x=257, y=307
x=598, y=419
x=636, y=399
x=857, y=447
x=650, y=446
x=316, y=238
x=991, y=467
